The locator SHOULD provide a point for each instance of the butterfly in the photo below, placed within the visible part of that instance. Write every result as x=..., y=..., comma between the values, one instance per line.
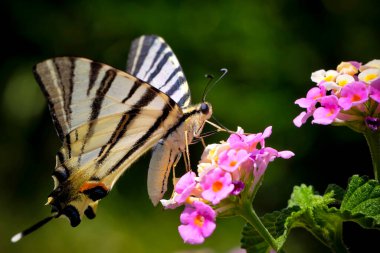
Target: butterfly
x=107, y=118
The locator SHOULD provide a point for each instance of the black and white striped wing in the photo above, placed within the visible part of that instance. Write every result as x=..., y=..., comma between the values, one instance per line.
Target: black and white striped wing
x=105, y=117
x=153, y=61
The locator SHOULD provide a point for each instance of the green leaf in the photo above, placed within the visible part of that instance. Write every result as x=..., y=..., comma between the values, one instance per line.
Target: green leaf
x=360, y=203
x=339, y=192
x=304, y=197
x=363, y=197
x=275, y=222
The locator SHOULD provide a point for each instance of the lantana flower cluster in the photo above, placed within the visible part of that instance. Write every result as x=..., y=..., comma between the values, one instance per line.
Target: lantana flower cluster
x=348, y=96
x=228, y=174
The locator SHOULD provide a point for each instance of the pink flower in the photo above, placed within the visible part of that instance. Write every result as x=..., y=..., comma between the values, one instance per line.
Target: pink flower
x=327, y=112
x=228, y=174
x=348, y=96
x=353, y=94
x=217, y=185
x=374, y=90
x=302, y=118
x=249, y=142
x=312, y=97
x=237, y=141
x=198, y=222
x=230, y=160
x=263, y=157
x=184, y=187
x=254, y=139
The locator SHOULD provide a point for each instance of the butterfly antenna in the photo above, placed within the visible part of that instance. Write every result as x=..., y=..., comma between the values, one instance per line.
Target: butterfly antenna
x=31, y=229
x=212, y=84
x=210, y=78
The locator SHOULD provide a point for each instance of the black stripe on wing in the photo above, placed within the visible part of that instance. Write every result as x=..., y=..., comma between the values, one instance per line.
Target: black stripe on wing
x=127, y=118
x=156, y=57
x=56, y=122
x=152, y=60
x=159, y=66
x=140, y=48
x=132, y=91
x=56, y=79
x=143, y=139
x=172, y=75
x=96, y=106
x=94, y=72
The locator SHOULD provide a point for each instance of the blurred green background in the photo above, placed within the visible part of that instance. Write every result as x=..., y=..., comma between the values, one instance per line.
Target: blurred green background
x=270, y=49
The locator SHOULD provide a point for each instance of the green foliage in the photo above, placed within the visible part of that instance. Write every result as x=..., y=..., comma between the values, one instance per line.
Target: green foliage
x=270, y=49
x=308, y=210
x=275, y=222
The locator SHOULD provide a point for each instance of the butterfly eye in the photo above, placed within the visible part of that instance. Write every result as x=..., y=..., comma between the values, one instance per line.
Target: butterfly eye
x=205, y=108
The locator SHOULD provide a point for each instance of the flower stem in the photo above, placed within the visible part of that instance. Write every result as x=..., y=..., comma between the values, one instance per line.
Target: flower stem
x=338, y=246
x=373, y=141
x=251, y=217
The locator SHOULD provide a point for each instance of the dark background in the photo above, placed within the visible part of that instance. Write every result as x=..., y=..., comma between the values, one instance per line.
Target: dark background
x=270, y=49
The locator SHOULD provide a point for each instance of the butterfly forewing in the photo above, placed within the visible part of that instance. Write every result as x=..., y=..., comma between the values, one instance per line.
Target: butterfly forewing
x=106, y=119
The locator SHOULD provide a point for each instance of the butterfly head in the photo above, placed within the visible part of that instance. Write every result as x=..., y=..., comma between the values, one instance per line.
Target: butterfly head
x=204, y=111
x=205, y=108
x=201, y=113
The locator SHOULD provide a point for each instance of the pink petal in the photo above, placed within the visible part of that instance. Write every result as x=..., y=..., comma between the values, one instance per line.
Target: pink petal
x=301, y=119
x=327, y=112
x=285, y=154
x=323, y=116
x=184, y=187
x=208, y=228
x=305, y=103
x=186, y=216
x=185, y=181
x=190, y=234
x=267, y=132
x=353, y=94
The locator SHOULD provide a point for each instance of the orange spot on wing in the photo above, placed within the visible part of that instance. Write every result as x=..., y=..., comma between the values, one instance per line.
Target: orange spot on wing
x=89, y=185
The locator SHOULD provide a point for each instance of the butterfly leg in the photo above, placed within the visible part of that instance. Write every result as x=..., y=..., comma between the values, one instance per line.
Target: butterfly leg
x=203, y=142
x=186, y=156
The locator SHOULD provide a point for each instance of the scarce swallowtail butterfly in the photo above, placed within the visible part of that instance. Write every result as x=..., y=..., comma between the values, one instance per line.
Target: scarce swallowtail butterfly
x=107, y=118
